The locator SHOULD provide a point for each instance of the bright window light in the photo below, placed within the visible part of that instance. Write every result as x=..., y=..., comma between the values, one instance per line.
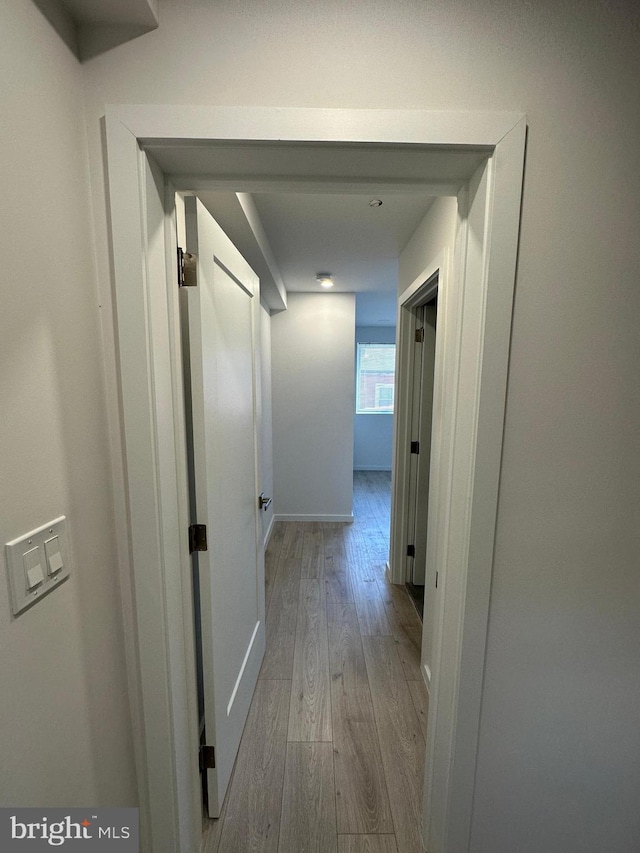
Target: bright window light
x=375, y=379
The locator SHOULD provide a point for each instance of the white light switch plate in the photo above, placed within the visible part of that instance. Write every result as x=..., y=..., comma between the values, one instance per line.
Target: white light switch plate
x=37, y=563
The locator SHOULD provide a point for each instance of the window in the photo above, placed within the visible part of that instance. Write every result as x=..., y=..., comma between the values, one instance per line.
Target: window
x=375, y=376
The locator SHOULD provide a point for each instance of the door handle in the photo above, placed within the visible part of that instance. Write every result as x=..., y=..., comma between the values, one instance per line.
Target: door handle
x=263, y=502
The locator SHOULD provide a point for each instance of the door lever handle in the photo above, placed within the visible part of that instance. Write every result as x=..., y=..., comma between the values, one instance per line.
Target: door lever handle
x=263, y=502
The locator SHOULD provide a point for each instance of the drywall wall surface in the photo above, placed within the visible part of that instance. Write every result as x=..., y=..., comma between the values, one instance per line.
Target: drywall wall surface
x=64, y=722
x=312, y=381
x=266, y=423
x=434, y=235
x=559, y=761
x=436, y=232
x=373, y=434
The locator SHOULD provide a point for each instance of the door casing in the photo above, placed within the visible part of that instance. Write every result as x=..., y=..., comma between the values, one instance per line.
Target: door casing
x=409, y=508
x=155, y=577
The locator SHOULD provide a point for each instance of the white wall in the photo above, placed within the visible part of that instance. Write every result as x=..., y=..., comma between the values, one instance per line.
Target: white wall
x=373, y=434
x=558, y=768
x=64, y=721
x=436, y=233
x=313, y=379
x=266, y=432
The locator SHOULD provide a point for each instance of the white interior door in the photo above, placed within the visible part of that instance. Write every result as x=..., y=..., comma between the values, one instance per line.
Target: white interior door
x=219, y=321
x=414, y=459
x=422, y=370
x=424, y=405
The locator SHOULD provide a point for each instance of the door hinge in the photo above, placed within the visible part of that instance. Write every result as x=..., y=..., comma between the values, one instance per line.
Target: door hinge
x=415, y=447
x=187, y=269
x=411, y=550
x=420, y=336
x=207, y=758
x=197, y=538
x=436, y=580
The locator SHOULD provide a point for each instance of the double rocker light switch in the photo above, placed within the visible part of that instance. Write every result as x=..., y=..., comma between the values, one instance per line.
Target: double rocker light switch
x=37, y=562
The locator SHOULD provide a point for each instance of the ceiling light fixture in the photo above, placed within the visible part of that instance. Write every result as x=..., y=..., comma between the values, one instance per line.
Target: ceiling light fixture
x=324, y=279
x=375, y=202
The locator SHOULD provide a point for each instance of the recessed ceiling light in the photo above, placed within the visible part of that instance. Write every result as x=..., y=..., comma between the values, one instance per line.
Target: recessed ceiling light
x=375, y=202
x=324, y=279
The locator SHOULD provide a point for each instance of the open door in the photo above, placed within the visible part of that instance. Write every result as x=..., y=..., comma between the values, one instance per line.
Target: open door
x=421, y=424
x=218, y=320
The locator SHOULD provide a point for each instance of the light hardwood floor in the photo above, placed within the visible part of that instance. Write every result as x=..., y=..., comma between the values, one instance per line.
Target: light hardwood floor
x=332, y=756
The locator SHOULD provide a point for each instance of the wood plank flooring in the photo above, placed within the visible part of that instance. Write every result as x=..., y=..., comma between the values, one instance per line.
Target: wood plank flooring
x=332, y=756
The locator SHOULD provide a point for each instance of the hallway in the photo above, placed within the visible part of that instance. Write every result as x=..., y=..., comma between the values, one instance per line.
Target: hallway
x=332, y=756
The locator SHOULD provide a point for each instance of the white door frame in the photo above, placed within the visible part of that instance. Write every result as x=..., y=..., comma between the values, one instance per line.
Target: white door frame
x=155, y=563
x=435, y=277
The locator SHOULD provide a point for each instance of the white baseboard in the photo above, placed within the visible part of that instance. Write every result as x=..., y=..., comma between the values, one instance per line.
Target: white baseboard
x=371, y=468
x=392, y=579
x=347, y=519
x=269, y=532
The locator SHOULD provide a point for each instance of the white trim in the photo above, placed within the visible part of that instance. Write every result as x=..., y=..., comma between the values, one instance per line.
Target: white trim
x=160, y=122
x=142, y=345
x=422, y=289
x=341, y=186
x=156, y=616
x=268, y=534
x=469, y=478
x=419, y=291
x=346, y=519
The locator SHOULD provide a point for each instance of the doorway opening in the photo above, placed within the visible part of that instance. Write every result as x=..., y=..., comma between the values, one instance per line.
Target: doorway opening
x=421, y=383
x=375, y=403
x=480, y=159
